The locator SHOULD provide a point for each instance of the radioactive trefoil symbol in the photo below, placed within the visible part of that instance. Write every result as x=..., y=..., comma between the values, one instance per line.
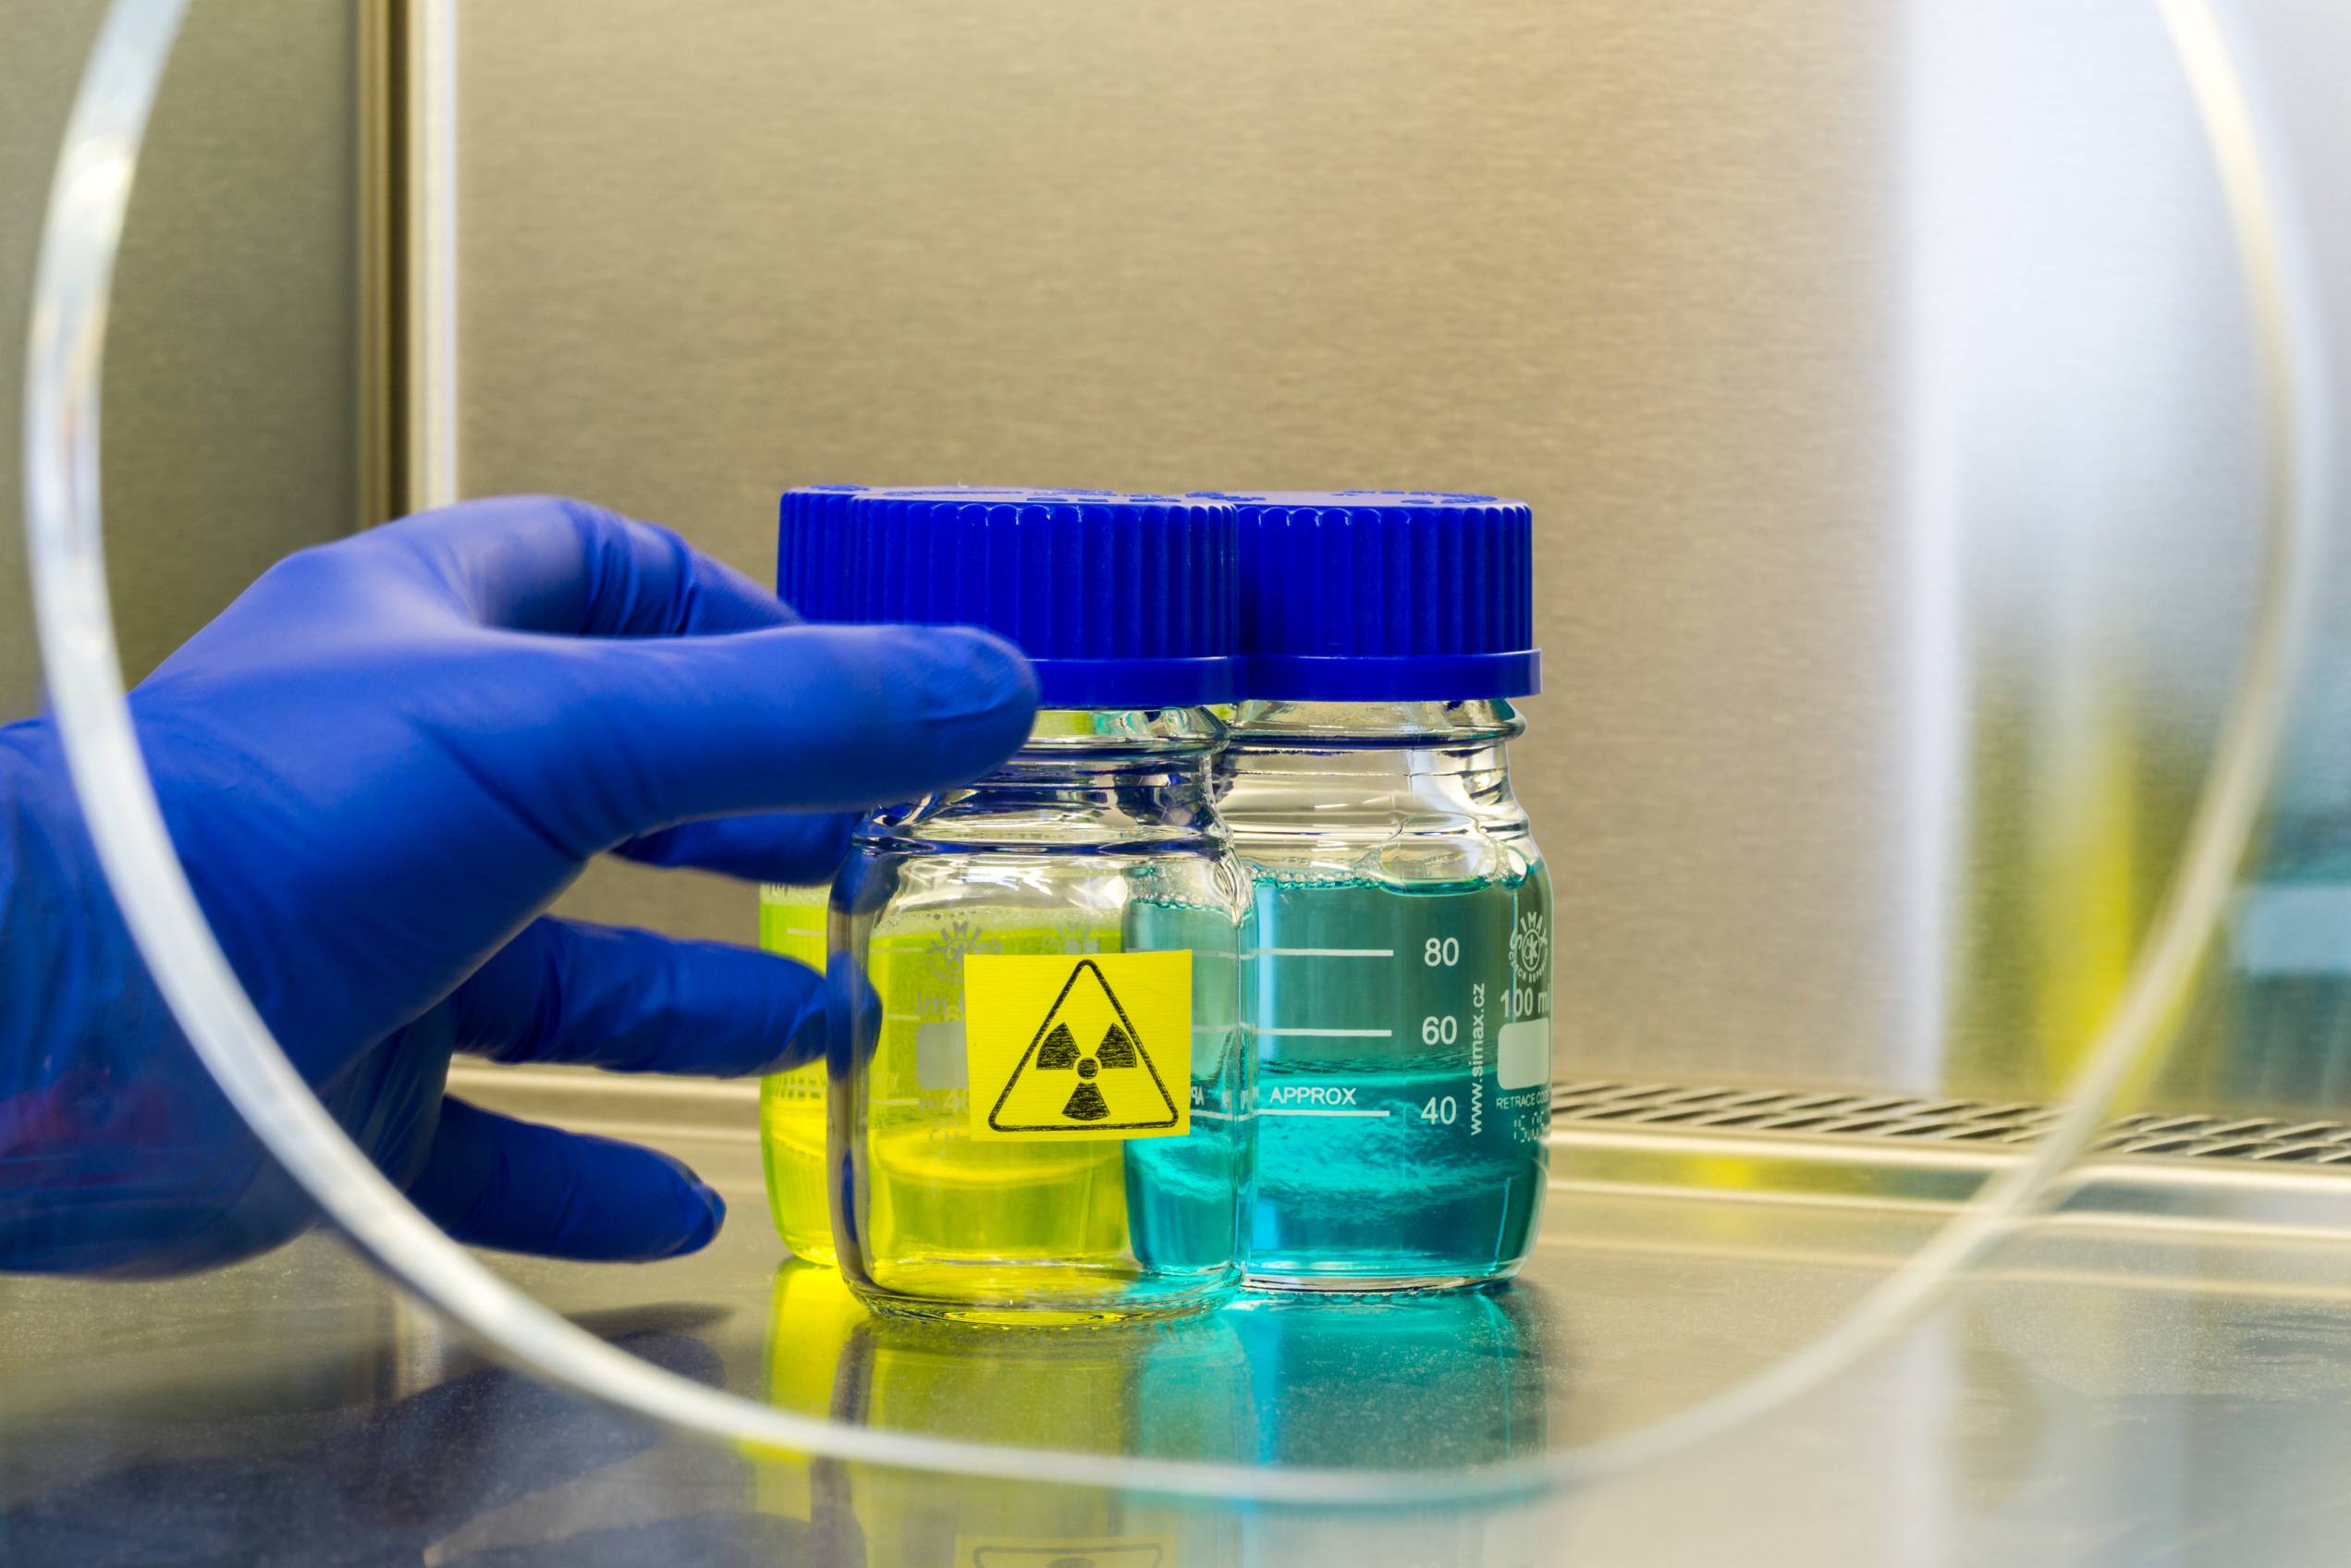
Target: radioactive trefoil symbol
x=1085, y=1069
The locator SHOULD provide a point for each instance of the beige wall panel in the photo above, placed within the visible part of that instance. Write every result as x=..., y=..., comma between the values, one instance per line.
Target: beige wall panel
x=232, y=385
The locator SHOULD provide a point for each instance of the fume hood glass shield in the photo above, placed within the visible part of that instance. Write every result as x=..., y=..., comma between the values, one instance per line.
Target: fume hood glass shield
x=80, y=244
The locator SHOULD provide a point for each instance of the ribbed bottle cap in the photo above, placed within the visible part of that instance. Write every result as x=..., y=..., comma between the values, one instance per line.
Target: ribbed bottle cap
x=1385, y=595
x=811, y=539
x=1120, y=601
x=806, y=577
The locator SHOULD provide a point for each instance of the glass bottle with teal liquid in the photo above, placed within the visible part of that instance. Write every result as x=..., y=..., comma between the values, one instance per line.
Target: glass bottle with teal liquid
x=1400, y=967
x=1038, y=1096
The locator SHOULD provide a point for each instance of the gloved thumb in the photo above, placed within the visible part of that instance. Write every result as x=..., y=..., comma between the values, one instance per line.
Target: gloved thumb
x=493, y=1181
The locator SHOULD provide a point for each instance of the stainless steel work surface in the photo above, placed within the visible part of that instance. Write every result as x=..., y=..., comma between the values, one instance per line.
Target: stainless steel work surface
x=2117, y=1390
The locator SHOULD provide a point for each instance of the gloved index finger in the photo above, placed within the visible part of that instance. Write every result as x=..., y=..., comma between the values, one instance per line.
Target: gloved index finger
x=633, y=737
x=761, y=846
x=549, y=564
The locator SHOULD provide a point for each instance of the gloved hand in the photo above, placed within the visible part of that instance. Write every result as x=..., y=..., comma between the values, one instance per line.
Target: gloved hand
x=378, y=765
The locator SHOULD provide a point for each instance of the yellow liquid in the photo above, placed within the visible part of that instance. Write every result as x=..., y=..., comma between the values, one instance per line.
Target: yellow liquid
x=946, y=1209
x=940, y=1198
x=791, y=1105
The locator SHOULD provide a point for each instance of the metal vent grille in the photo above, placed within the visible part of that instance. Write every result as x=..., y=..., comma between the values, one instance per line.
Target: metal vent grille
x=1699, y=1107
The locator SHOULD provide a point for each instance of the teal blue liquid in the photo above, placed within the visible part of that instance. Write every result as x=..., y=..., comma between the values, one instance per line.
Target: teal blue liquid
x=1396, y=1145
x=1400, y=1143
x=1186, y=1196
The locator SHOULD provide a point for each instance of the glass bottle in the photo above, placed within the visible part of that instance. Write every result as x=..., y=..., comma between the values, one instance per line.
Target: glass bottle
x=1040, y=1067
x=1400, y=970
x=810, y=561
x=791, y=1105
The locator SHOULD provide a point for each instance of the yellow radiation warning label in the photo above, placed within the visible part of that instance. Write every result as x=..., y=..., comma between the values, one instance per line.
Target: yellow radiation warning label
x=1079, y=1045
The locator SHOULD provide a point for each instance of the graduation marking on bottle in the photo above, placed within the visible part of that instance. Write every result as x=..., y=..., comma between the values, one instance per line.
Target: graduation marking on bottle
x=1445, y=959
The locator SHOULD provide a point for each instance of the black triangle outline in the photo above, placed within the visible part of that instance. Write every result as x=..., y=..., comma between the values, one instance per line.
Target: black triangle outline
x=1038, y=1038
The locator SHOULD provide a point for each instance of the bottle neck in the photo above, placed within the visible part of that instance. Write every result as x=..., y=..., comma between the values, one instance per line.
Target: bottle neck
x=1443, y=737
x=1095, y=777
x=1110, y=743
x=1328, y=780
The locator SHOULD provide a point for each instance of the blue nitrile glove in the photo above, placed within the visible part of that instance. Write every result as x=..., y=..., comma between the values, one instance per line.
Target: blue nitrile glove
x=378, y=765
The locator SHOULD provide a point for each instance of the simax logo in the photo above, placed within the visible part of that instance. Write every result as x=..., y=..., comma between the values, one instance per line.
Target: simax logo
x=1530, y=947
x=957, y=941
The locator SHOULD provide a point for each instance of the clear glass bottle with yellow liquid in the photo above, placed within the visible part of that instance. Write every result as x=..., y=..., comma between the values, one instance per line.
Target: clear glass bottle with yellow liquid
x=1040, y=1066
x=811, y=561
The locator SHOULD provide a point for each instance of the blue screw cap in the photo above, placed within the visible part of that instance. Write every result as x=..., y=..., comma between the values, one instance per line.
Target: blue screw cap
x=806, y=518
x=812, y=550
x=1385, y=595
x=1121, y=601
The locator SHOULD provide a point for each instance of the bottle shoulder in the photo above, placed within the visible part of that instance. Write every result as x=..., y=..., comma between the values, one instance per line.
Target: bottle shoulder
x=1412, y=815
x=1000, y=822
